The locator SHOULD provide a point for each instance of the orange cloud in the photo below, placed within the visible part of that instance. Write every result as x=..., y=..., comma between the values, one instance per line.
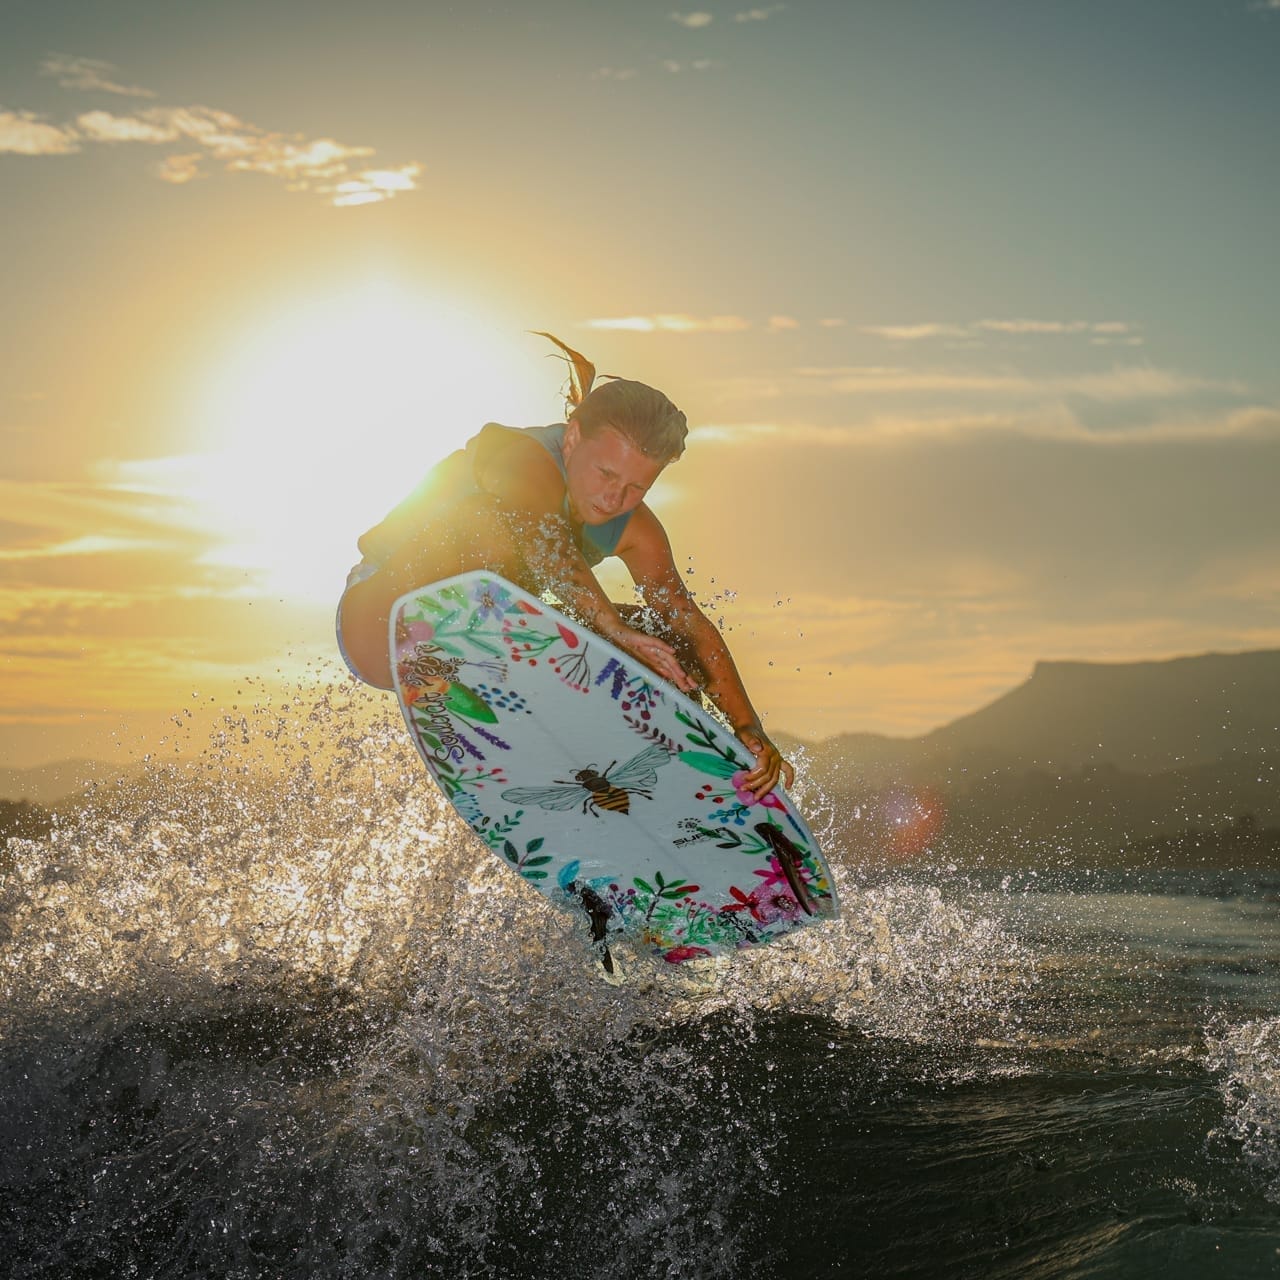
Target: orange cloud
x=672, y=323
x=88, y=73
x=23, y=133
x=323, y=165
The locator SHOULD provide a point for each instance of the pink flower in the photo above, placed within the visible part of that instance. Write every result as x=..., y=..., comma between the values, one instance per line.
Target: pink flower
x=746, y=798
x=775, y=896
x=411, y=634
x=775, y=874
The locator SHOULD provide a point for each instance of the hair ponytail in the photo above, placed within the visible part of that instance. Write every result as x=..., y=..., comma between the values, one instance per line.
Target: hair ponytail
x=582, y=373
x=644, y=415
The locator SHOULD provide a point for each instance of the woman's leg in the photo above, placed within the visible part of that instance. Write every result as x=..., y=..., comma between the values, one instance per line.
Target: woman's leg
x=476, y=533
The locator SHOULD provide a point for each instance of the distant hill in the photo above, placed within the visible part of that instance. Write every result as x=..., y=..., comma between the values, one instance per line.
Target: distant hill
x=1143, y=717
x=49, y=783
x=1084, y=761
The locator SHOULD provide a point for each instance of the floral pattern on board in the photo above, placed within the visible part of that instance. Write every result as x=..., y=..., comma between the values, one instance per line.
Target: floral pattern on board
x=595, y=781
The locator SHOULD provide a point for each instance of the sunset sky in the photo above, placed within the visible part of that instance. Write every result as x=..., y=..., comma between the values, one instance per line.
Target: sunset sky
x=972, y=306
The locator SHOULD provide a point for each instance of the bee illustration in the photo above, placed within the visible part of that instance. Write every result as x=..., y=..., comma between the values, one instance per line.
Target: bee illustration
x=597, y=789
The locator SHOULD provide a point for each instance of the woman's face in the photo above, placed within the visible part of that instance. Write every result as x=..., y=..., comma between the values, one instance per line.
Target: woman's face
x=605, y=474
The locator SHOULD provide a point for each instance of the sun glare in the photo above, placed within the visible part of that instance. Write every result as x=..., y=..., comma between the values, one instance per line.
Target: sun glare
x=324, y=416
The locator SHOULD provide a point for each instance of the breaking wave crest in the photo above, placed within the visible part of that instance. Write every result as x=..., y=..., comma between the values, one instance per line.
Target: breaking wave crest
x=1247, y=1058
x=297, y=1020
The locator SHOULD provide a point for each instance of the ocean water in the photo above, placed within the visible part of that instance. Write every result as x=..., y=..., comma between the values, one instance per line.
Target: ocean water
x=311, y=1028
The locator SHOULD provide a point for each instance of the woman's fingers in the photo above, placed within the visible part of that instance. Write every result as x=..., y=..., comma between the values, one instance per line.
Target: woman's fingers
x=769, y=766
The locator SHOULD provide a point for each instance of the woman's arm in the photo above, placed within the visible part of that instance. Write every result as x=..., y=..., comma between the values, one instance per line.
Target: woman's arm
x=646, y=551
x=522, y=476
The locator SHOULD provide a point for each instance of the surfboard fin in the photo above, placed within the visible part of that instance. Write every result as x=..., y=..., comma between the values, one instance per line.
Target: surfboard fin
x=598, y=912
x=790, y=860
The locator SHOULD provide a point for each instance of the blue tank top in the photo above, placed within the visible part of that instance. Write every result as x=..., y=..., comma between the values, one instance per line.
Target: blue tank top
x=597, y=540
x=454, y=478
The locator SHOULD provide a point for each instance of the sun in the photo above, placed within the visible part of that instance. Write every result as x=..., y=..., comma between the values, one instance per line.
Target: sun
x=324, y=416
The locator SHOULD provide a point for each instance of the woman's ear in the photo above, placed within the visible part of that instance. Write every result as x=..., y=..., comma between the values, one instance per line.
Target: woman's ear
x=572, y=437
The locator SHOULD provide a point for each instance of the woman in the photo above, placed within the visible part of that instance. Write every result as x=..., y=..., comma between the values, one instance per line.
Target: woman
x=540, y=506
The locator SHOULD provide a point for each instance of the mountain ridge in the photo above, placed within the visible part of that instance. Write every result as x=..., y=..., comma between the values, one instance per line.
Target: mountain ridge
x=1147, y=716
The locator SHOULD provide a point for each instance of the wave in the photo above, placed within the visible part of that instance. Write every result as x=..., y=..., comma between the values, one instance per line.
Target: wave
x=1246, y=1057
x=303, y=1021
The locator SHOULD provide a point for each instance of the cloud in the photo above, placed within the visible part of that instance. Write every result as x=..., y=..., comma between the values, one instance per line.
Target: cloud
x=1102, y=332
x=54, y=514
x=1256, y=423
x=178, y=169
x=914, y=332
x=694, y=21
x=1122, y=383
x=324, y=165
x=671, y=324
x=1034, y=326
x=374, y=185
x=961, y=546
x=763, y=15
x=698, y=64
x=93, y=544
x=1142, y=382
x=25, y=134
x=102, y=126
x=88, y=73
x=879, y=379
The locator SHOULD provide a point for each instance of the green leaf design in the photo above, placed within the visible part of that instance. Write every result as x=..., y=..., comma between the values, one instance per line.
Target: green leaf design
x=463, y=702
x=485, y=645
x=534, y=875
x=537, y=862
x=716, y=766
x=535, y=844
x=642, y=885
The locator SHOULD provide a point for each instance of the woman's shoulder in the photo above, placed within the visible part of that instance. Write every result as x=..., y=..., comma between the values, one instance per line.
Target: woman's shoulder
x=496, y=438
x=517, y=463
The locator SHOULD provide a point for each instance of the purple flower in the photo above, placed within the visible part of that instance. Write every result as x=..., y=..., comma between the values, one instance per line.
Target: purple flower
x=492, y=601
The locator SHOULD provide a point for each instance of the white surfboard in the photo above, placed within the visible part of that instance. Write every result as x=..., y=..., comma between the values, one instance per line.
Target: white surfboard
x=595, y=780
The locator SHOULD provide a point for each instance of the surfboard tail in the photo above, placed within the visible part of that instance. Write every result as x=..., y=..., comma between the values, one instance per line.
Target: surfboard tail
x=791, y=860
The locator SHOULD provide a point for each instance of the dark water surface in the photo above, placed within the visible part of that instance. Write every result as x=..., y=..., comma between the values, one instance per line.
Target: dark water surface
x=314, y=1030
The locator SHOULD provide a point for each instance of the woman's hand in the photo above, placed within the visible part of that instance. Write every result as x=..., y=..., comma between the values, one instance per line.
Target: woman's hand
x=656, y=654
x=769, y=765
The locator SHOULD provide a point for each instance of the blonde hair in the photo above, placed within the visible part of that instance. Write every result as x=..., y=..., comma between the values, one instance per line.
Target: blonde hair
x=641, y=413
